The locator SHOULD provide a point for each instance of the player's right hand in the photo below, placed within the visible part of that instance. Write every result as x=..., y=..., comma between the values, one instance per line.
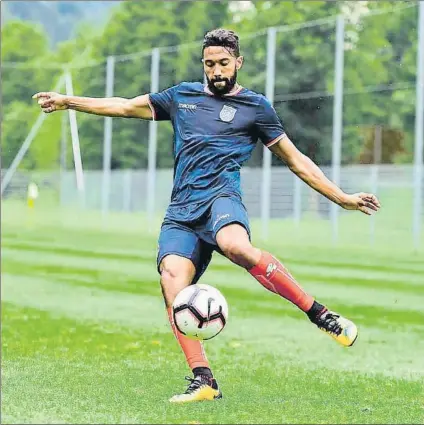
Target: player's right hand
x=51, y=101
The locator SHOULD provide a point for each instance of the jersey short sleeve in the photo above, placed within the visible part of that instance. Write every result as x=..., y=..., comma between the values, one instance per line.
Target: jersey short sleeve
x=268, y=125
x=162, y=104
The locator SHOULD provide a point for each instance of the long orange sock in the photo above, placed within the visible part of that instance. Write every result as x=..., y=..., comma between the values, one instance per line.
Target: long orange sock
x=271, y=274
x=193, y=350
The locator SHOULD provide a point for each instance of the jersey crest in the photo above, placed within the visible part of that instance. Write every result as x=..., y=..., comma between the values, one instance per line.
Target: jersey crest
x=227, y=113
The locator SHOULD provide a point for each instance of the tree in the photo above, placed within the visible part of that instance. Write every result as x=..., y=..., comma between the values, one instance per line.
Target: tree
x=380, y=50
x=26, y=46
x=59, y=19
x=44, y=151
x=23, y=44
x=392, y=144
x=304, y=63
x=136, y=27
x=384, y=55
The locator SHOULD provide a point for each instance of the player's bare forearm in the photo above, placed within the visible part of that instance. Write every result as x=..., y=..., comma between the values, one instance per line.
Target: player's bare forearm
x=112, y=107
x=137, y=107
x=313, y=176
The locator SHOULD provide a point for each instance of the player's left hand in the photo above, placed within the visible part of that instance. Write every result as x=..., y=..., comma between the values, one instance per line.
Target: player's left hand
x=364, y=202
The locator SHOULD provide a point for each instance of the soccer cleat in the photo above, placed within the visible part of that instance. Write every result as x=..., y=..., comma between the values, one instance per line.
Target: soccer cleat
x=201, y=388
x=341, y=329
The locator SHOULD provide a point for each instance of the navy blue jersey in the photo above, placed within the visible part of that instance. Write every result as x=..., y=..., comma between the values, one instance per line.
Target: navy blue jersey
x=213, y=137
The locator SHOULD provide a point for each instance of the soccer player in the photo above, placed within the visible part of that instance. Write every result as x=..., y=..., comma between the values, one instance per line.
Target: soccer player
x=216, y=127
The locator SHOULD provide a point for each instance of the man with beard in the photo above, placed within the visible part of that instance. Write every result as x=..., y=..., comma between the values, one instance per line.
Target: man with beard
x=216, y=127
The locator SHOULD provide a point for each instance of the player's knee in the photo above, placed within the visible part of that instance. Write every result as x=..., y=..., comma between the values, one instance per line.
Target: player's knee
x=171, y=283
x=175, y=276
x=171, y=271
x=168, y=271
x=172, y=263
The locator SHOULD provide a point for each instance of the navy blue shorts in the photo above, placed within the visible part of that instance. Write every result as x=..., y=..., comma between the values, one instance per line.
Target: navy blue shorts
x=197, y=240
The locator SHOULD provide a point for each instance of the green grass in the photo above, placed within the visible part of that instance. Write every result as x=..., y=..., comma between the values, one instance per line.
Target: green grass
x=85, y=337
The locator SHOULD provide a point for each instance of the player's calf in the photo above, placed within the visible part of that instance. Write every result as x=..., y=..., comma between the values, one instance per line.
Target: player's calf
x=272, y=275
x=177, y=273
x=233, y=240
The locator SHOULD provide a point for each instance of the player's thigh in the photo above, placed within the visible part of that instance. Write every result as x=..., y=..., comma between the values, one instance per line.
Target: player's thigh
x=176, y=251
x=232, y=235
x=228, y=221
x=234, y=243
x=231, y=232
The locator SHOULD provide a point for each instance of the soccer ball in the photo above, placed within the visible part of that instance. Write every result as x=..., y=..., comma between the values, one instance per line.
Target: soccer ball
x=200, y=312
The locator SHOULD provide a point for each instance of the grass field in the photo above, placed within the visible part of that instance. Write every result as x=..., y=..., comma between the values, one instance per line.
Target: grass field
x=85, y=337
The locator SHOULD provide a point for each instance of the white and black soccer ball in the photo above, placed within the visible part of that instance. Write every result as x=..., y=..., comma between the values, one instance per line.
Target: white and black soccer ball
x=200, y=311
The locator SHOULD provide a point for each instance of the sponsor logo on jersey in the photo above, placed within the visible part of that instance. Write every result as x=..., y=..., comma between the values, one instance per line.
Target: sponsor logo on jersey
x=187, y=106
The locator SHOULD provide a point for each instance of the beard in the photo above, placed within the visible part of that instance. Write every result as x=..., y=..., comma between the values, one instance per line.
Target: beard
x=229, y=84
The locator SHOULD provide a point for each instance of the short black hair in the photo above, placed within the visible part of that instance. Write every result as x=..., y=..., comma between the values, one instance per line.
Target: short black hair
x=224, y=38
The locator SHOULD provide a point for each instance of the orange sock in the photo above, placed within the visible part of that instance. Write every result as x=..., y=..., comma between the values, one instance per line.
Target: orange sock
x=193, y=350
x=271, y=274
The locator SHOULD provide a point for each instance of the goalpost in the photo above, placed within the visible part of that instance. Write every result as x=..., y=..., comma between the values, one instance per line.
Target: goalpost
x=74, y=136
x=64, y=81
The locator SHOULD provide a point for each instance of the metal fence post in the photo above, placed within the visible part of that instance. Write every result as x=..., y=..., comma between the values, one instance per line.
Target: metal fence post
x=127, y=190
x=297, y=199
x=79, y=173
x=153, y=135
x=107, y=137
x=419, y=132
x=267, y=156
x=63, y=157
x=378, y=140
x=337, y=120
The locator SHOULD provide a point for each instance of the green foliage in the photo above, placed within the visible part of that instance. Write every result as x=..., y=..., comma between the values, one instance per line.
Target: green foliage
x=17, y=122
x=135, y=27
x=44, y=151
x=384, y=54
x=59, y=18
x=380, y=50
x=22, y=43
x=25, y=44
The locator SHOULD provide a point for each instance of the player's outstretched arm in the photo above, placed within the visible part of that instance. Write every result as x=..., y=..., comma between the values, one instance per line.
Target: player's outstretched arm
x=312, y=175
x=137, y=107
